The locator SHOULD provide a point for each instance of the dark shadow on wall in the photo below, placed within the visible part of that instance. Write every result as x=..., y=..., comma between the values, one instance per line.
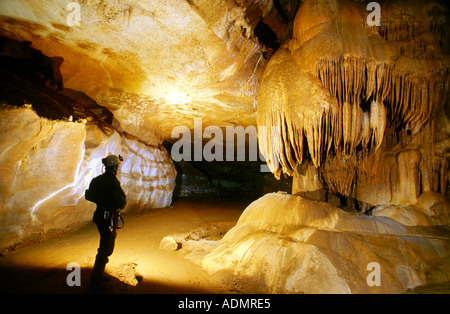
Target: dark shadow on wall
x=29, y=77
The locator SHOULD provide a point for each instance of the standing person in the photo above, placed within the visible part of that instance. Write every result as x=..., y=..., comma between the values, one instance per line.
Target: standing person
x=106, y=192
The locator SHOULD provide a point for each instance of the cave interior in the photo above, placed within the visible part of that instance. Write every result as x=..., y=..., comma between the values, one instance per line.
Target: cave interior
x=339, y=132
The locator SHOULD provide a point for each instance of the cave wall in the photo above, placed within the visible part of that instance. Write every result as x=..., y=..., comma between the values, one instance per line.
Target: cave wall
x=46, y=165
x=53, y=140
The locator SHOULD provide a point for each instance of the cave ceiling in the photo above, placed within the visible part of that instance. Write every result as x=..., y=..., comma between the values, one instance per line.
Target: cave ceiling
x=156, y=64
x=333, y=83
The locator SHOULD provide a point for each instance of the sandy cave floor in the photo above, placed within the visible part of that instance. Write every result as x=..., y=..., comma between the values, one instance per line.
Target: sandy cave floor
x=41, y=268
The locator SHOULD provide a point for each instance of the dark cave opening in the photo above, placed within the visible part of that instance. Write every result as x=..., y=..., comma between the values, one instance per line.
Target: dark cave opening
x=234, y=179
x=266, y=35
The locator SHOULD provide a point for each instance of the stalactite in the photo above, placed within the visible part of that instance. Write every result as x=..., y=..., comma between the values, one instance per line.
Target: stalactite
x=339, y=99
x=343, y=127
x=366, y=131
x=377, y=122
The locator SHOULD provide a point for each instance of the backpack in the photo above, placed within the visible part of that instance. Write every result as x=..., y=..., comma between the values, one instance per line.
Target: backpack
x=89, y=195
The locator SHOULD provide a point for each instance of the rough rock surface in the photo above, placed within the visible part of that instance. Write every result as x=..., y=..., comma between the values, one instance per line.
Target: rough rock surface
x=289, y=244
x=154, y=64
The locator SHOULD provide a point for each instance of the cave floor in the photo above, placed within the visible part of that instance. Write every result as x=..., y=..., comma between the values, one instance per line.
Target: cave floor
x=42, y=267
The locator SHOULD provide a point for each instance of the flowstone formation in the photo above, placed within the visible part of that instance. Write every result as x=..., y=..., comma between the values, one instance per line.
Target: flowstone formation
x=289, y=244
x=358, y=115
x=366, y=106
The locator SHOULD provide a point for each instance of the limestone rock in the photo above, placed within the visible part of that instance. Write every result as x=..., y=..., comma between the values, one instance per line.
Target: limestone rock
x=431, y=209
x=128, y=274
x=406, y=215
x=154, y=64
x=337, y=85
x=46, y=165
x=435, y=206
x=169, y=243
x=289, y=244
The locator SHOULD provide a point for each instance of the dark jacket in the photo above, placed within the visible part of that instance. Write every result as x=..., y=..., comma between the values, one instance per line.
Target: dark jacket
x=107, y=192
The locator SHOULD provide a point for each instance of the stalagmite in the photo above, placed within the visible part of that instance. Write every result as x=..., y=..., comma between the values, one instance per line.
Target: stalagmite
x=407, y=186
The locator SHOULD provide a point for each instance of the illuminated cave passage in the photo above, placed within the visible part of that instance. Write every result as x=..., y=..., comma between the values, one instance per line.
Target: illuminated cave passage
x=339, y=137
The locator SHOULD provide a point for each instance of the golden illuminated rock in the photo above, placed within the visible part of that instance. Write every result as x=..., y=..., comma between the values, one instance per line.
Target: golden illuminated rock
x=367, y=105
x=357, y=114
x=314, y=247
x=340, y=83
x=46, y=165
x=154, y=64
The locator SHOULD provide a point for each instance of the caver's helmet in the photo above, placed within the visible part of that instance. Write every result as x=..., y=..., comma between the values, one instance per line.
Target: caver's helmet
x=112, y=160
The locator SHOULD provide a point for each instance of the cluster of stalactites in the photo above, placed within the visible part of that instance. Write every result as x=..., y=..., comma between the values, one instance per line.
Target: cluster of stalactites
x=422, y=34
x=367, y=97
x=370, y=94
x=339, y=85
x=344, y=129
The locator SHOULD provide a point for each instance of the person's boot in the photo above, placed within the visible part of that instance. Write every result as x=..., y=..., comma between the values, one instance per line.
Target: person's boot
x=96, y=283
